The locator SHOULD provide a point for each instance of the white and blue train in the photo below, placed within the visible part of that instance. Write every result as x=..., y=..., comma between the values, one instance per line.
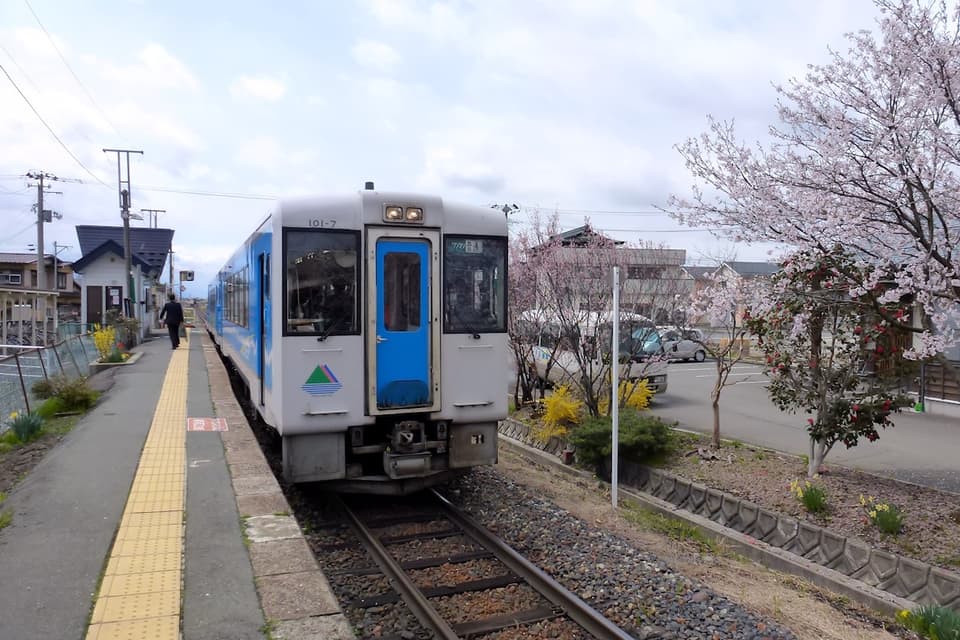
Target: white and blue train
x=371, y=333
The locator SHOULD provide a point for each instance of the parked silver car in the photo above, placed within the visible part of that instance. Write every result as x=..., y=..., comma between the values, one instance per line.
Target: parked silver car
x=682, y=344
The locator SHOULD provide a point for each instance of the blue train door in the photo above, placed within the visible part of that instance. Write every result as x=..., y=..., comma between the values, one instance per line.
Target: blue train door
x=404, y=305
x=264, y=278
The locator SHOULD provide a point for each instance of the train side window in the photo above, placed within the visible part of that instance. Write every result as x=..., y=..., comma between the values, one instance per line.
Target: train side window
x=474, y=278
x=321, y=282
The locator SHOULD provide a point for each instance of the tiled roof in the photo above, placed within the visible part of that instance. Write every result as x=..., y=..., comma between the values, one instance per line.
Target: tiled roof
x=754, y=268
x=110, y=246
x=152, y=245
x=699, y=273
x=18, y=258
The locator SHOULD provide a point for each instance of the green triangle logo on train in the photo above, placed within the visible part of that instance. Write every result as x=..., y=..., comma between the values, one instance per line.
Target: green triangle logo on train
x=322, y=382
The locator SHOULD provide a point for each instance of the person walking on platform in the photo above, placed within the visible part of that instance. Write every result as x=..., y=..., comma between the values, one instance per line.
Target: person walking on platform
x=172, y=315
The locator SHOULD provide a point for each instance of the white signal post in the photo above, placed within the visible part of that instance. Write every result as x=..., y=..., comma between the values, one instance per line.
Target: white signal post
x=185, y=276
x=615, y=388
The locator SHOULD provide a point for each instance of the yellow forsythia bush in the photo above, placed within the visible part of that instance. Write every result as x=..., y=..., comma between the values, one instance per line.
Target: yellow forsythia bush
x=105, y=339
x=635, y=394
x=561, y=410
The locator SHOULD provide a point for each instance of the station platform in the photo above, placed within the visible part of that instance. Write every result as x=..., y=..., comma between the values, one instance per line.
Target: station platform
x=158, y=518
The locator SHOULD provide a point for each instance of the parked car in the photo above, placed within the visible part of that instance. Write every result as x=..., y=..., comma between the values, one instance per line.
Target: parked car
x=639, y=348
x=683, y=344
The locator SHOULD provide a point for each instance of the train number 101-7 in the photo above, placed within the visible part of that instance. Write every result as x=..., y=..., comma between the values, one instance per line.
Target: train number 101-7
x=320, y=223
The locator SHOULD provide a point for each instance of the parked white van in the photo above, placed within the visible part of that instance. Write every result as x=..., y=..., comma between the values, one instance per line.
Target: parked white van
x=640, y=352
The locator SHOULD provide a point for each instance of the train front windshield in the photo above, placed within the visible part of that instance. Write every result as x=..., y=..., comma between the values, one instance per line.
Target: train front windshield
x=322, y=279
x=474, y=277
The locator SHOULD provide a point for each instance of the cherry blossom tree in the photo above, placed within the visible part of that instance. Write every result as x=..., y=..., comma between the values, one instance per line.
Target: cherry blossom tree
x=561, y=288
x=724, y=303
x=867, y=152
x=828, y=353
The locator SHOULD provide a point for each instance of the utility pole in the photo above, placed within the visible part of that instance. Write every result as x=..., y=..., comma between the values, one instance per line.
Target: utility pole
x=153, y=216
x=125, y=195
x=42, y=216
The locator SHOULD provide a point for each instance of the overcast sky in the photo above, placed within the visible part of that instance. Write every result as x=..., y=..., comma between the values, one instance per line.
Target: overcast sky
x=573, y=105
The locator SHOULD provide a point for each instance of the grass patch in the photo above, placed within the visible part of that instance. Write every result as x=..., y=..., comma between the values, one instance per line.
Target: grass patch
x=937, y=623
x=9, y=441
x=6, y=516
x=670, y=527
x=60, y=426
x=950, y=560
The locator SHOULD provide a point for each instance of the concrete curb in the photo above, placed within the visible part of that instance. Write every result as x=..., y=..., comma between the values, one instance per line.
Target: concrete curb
x=295, y=596
x=880, y=580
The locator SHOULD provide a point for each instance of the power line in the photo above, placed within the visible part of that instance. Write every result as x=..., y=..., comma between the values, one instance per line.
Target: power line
x=52, y=132
x=213, y=194
x=70, y=69
x=197, y=192
x=647, y=212
x=17, y=65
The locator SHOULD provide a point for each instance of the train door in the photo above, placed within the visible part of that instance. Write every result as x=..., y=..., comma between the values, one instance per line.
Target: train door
x=263, y=273
x=219, y=309
x=404, y=345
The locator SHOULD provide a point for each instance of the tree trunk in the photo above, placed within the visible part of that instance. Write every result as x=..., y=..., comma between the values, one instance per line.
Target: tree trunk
x=715, y=403
x=716, y=422
x=818, y=451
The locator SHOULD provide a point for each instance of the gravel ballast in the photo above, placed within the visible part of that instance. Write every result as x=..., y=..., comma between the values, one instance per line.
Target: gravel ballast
x=631, y=587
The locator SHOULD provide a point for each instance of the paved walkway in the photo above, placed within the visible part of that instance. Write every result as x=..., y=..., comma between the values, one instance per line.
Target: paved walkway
x=133, y=527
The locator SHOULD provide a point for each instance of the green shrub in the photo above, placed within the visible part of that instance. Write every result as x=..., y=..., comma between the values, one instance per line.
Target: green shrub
x=886, y=517
x=811, y=496
x=43, y=389
x=930, y=621
x=74, y=393
x=26, y=426
x=50, y=407
x=642, y=436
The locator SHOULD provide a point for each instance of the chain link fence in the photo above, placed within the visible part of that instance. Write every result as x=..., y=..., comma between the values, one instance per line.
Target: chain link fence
x=27, y=365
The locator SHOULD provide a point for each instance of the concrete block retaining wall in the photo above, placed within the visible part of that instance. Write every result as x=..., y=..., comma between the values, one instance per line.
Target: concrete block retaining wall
x=911, y=579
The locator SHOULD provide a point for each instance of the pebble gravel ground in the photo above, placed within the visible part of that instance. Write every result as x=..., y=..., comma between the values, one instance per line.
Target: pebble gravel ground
x=634, y=589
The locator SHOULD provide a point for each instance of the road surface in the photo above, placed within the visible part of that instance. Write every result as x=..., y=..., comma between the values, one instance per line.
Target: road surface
x=921, y=447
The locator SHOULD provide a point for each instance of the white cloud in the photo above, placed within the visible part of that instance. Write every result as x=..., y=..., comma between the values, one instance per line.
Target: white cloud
x=261, y=87
x=155, y=124
x=375, y=55
x=156, y=68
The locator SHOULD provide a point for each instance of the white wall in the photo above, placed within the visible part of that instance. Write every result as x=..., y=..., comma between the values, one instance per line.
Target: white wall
x=107, y=270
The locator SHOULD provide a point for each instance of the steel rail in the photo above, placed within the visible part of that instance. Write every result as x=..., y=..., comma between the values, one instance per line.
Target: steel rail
x=578, y=610
x=418, y=603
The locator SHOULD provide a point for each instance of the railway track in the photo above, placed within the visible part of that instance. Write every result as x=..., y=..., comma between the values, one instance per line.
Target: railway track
x=458, y=579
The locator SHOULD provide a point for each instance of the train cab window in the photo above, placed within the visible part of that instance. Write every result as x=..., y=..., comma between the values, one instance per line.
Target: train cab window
x=321, y=282
x=474, y=278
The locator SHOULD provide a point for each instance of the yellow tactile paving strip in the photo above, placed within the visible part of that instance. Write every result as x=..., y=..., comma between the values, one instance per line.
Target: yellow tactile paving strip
x=140, y=595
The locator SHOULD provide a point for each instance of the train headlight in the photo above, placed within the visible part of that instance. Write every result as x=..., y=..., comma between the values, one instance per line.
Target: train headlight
x=394, y=213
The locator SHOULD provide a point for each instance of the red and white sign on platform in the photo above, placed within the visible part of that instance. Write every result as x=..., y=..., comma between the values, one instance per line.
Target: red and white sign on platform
x=207, y=424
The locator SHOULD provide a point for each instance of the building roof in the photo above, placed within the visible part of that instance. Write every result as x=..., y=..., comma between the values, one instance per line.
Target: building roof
x=699, y=273
x=150, y=245
x=109, y=246
x=581, y=236
x=753, y=269
x=18, y=258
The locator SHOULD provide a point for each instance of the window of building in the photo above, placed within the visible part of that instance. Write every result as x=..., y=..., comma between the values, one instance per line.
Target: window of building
x=644, y=272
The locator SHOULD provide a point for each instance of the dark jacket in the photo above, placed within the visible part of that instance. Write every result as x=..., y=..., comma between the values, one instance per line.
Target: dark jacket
x=172, y=313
